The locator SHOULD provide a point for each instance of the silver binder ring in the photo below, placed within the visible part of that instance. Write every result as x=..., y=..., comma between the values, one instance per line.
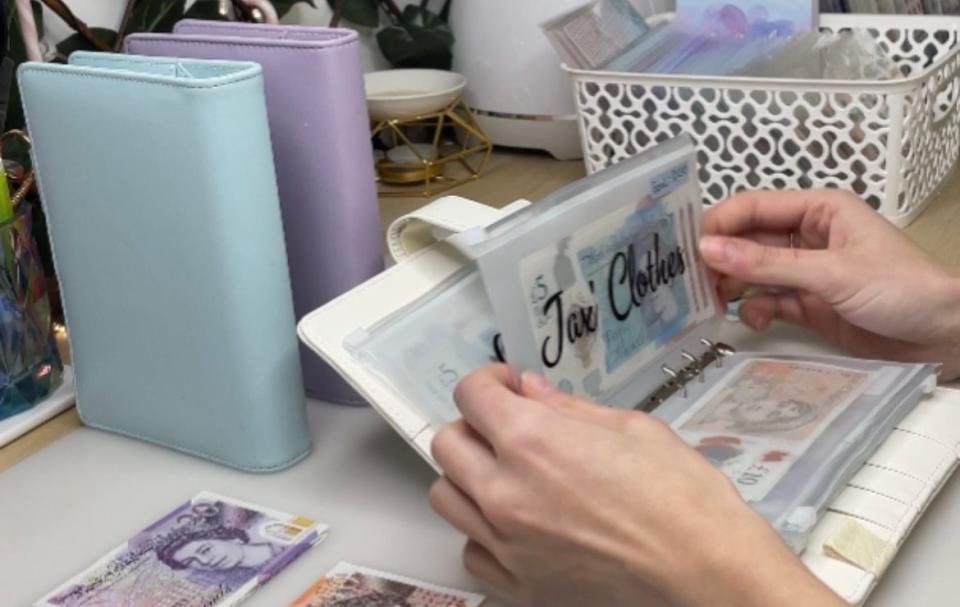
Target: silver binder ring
x=694, y=366
x=720, y=350
x=713, y=350
x=724, y=350
x=677, y=378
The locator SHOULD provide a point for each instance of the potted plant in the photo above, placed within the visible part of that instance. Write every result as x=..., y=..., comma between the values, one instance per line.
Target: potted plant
x=415, y=37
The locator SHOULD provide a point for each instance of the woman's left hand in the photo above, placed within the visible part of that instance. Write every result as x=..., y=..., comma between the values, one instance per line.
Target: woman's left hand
x=567, y=503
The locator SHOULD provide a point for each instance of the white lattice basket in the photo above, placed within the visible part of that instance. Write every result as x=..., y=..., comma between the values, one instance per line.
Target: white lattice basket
x=893, y=142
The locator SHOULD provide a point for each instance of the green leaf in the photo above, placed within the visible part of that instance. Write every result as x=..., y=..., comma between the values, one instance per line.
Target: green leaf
x=16, y=50
x=77, y=42
x=361, y=12
x=157, y=15
x=417, y=16
x=204, y=9
x=283, y=6
x=15, y=119
x=422, y=39
x=10, y=11
x=37, y=7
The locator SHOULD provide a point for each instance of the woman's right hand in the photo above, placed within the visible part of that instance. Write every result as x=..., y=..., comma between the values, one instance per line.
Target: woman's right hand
x=833, y=264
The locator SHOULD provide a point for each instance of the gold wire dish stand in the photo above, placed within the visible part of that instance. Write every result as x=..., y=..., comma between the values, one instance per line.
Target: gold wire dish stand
x=445, y=165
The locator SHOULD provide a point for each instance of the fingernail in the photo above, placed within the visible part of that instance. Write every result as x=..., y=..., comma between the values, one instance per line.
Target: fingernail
x=757, y=321
x=716, y=248
x=532, y=382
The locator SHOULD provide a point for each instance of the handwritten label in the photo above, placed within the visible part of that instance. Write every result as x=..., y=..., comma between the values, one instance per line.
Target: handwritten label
x=670, y=180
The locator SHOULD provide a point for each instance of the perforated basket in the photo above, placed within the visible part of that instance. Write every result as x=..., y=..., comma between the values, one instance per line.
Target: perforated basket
x=893, y=142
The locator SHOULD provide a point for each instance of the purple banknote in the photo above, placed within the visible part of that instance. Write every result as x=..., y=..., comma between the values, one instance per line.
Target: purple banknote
x=211, y=550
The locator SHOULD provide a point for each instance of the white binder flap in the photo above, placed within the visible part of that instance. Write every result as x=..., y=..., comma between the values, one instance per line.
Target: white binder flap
x=438, y=220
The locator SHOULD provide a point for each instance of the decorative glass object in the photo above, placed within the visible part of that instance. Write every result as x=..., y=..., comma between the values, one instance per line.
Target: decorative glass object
x=30, y=364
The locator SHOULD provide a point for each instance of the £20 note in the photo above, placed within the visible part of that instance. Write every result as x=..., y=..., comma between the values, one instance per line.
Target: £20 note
x=211, y=550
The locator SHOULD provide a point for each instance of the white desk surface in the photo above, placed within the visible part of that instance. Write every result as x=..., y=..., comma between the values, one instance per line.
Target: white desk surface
x=70, y=503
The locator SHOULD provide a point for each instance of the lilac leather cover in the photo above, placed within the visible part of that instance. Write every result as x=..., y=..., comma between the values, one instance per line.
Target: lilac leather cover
x=324, y=160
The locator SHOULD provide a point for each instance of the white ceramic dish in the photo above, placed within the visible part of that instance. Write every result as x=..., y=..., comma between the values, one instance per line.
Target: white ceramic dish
x=408, y=93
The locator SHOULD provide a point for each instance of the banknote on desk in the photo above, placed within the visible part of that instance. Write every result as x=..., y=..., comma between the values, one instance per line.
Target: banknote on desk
x=209, y=551
x=348, y=585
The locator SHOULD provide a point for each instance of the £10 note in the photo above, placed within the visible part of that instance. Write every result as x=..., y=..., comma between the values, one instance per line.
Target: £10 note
x=348, y=585
x=209, y=551
x=765, y=415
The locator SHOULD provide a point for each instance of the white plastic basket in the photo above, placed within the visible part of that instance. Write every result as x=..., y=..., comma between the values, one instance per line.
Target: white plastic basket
x=893, y=142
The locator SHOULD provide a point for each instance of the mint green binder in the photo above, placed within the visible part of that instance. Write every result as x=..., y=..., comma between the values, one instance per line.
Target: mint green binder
x=158, y=182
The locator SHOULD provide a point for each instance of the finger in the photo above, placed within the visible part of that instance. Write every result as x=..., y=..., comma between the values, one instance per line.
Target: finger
x=486, y=401
x=730, y=288
x=484, y=565
x=814, y=271
x=772, y=238
x=539, y=388
x=759, y=210
x=465, y=458
x=459, y=510
x=820, y=317
x=758, y=312
x=806, y=310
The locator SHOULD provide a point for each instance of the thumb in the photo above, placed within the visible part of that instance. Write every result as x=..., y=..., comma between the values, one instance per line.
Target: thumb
x=814, y=271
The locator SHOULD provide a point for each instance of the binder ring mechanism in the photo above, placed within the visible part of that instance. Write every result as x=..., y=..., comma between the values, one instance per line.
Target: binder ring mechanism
x=694, y=369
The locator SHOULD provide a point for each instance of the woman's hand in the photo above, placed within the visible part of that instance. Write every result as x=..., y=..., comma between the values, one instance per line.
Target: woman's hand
x=566, y=503
x=835, y=265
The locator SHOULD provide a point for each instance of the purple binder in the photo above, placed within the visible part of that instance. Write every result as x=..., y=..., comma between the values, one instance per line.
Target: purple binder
x=324, y=160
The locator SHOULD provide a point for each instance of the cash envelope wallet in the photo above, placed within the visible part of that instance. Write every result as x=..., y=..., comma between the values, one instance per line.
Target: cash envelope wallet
x=321, y=142
x=158, y=183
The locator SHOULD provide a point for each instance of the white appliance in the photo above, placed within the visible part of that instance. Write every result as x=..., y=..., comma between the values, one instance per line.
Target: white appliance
x=514, y=81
